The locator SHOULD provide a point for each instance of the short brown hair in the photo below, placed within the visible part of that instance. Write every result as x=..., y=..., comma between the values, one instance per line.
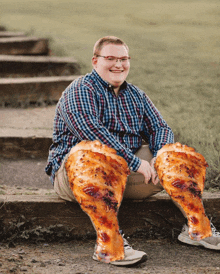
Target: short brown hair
x=105, y=41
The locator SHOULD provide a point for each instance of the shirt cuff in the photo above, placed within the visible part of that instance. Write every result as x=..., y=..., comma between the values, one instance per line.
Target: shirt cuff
x=135, y=164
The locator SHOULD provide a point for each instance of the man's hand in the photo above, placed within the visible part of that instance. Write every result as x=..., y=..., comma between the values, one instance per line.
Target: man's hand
x=147, y=169
x=155, y=179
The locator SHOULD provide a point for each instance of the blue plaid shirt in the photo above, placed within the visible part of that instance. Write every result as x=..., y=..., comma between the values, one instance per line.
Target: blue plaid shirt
x=89, y=110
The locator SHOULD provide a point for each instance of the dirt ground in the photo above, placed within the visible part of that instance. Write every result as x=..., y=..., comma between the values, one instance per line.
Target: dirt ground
x=76, y=257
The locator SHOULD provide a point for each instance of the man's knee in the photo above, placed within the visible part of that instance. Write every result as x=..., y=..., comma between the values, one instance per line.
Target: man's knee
x=137, y=189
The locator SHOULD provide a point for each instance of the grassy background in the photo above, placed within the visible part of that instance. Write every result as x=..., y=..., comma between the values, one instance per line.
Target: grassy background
x=175, y=50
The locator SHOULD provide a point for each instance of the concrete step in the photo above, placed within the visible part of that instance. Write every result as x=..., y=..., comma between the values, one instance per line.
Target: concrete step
x=24, y=147
x=24, y=46
x=11, y=34
x=28, y=122
x=33, y=90
x=28, y=202
x=30, y=66
x=26, y=133
x=24, y=176
x=155, y=217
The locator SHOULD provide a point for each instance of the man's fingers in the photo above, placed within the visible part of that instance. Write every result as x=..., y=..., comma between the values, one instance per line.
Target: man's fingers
x=147, y=178
x=155, y=178
x=149, y=175
x=148, y=171
x=155, y=181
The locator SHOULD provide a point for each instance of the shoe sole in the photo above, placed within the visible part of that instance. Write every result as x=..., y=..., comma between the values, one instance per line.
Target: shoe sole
x=126, y=263
x=187, y=240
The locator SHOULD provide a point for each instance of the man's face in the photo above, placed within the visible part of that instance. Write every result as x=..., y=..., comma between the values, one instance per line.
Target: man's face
x=114, y=72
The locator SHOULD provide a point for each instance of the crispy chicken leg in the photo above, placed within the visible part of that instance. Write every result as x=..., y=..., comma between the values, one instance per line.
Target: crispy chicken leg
x=97, y=177
x=182, y=171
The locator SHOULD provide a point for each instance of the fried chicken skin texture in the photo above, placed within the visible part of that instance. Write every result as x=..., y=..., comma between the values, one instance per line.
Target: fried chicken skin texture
x=97, y=177
x=182, y=172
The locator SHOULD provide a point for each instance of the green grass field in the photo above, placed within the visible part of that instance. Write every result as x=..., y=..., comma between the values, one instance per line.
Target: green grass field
x=175, y=50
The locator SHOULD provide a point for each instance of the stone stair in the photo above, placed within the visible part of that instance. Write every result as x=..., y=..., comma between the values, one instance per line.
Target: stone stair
x=39, y=91
x=10, y=33
x=29, y=77
x=36, y=79
x=29, y=74
x=24, y=46
x=37, y=66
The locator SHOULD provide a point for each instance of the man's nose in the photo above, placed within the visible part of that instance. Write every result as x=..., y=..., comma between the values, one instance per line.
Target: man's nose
x=118, y=62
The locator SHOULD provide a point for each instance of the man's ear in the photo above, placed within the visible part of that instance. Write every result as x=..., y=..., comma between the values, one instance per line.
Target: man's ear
x=94, y=61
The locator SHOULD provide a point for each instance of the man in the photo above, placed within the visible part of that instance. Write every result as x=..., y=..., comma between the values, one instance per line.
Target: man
x=103, y=106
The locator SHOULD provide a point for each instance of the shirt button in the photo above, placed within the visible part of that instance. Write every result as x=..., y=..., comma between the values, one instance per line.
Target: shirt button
x=131, y=168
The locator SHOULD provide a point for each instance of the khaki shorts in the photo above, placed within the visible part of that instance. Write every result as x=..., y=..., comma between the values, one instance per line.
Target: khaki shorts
x=135, y=188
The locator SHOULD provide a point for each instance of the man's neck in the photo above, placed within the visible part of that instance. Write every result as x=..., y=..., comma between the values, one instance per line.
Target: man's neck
x=116, y=90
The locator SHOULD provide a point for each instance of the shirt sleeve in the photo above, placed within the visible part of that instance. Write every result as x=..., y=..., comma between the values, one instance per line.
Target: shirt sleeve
x=155, y=129
x=79, y=110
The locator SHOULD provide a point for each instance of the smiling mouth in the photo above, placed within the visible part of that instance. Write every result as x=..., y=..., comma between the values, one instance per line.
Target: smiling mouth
x=116, y=71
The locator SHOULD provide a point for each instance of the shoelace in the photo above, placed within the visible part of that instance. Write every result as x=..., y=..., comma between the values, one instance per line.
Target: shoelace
x=126, y=244
x=215, y=233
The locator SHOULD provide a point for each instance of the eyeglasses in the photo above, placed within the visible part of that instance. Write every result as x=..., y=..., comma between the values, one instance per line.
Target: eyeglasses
x=112, y=59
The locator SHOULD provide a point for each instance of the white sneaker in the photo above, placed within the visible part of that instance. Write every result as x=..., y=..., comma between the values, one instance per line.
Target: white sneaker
x=212, y=242
x=132, y=256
